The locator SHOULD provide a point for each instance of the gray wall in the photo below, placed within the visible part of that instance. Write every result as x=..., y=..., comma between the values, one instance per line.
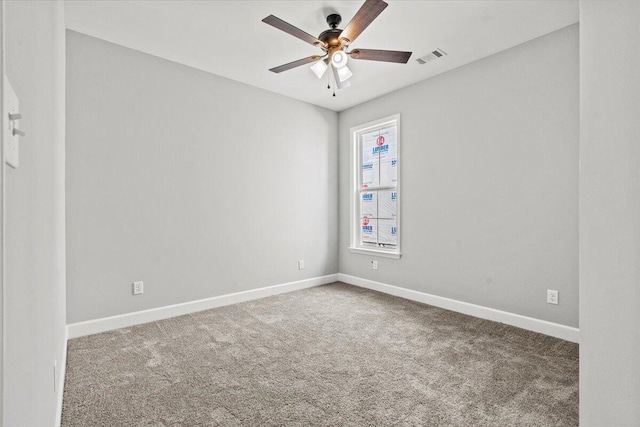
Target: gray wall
x=195, y=184
x=609, y=214
x=489, y=181
x=35, y=245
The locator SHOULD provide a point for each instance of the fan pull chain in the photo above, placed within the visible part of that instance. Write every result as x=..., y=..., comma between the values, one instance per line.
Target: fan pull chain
x=329, y=75
x=329, y=83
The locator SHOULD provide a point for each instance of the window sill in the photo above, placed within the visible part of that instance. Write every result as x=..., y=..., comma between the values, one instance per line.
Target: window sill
x=375, y=252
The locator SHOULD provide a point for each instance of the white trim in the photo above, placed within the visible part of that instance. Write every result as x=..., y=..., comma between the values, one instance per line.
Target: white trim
x=355, y=185
x=375, y=252
x=536, y=325
x=60, y=385
x=129, y=319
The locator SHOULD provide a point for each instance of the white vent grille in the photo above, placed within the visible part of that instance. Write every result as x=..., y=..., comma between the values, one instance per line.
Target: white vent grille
x=438, y=53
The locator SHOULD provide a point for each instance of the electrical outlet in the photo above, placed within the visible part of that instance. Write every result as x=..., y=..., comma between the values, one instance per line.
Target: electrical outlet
x=374, y=264
x=552, y=297
x=9, y=125
x=301, y=264
x=138, y=288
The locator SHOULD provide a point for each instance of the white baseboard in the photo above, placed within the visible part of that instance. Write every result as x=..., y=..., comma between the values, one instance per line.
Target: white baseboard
x=80, y=329
x=60, y=379
x=541, y=326
x=90, y=327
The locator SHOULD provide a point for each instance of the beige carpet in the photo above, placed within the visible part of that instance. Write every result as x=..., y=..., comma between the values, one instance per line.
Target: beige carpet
x=334, y=355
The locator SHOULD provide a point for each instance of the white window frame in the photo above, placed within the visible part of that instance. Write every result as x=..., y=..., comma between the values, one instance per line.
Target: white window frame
x=355, y=182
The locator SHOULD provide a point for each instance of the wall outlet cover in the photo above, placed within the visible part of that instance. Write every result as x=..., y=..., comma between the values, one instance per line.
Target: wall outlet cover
x=11, y=140
x=138, y=288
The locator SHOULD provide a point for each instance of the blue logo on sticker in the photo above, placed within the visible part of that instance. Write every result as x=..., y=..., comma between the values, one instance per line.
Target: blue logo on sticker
x=368, y=228
x=367, y=196
x=367, y=166
x=381, y=148
x=394, y=195
x=394, y=231
x=393, y=162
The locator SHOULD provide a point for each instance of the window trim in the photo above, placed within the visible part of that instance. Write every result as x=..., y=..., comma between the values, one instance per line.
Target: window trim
x=354, y=182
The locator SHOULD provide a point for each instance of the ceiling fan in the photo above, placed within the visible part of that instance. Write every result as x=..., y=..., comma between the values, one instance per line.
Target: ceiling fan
x=334, y=43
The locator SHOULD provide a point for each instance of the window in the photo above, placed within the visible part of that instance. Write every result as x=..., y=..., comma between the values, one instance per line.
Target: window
x=375, y=203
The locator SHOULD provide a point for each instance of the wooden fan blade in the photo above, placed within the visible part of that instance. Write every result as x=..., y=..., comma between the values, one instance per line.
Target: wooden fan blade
x=365, y=16
x=290, y=29
x=294, y=64
x=381, y=55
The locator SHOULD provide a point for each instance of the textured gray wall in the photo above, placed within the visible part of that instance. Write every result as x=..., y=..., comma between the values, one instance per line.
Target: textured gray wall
x=489, y=181
x=35, y=260
x=609, y=214
x=198, y=185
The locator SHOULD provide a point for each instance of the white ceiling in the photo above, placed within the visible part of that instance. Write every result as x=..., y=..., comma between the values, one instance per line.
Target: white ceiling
x=227, y=38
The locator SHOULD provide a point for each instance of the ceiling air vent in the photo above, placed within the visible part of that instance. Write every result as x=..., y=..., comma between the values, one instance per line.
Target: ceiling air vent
x=438, y=53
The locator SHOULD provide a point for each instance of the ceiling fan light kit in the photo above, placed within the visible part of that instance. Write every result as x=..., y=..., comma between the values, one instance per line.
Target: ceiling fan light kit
x=344, y=73
x=334, y=43
x=319, y=68
x=339, y=59
x=341, y=83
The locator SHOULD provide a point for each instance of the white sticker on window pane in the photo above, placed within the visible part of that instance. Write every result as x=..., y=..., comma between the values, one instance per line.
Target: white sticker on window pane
x=370, y=161
x=369, y=204
x=369, y=230
x=370, y=174
x=388, y=147
x=389, y=172
x=387, y=232
x=387, y=205
x=387, y=142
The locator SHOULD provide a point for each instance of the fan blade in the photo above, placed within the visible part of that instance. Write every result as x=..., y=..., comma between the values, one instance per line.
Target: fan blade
x=365, y=16
x=290, y=29
x=294, y=64
x=381, y=55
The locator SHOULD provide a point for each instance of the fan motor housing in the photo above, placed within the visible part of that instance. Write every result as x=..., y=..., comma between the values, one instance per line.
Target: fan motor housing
x=330, y=37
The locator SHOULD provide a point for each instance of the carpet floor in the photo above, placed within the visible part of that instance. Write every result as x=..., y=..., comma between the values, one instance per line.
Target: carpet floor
x=333, y=355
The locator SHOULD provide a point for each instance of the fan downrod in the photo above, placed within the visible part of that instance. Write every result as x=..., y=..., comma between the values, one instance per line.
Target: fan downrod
x=334, y=20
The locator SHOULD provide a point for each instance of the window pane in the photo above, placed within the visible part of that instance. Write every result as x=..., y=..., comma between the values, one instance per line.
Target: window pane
x=370, y=161
x=388, y=144
x=387, y=232
x=387, y=205
x=369, y=230
x=369, y=204
x=376, y=209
